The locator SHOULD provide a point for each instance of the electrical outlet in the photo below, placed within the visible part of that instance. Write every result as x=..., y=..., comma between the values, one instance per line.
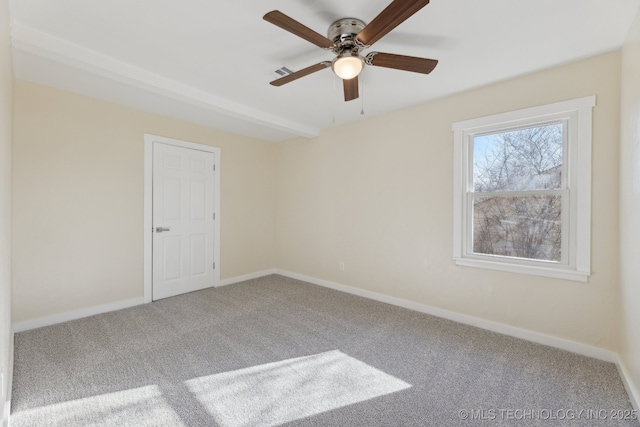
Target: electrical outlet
x=341, y=265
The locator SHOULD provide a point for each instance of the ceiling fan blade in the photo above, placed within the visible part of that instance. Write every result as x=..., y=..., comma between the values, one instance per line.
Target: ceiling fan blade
x=394, y=14
x=401, y=62
x=289, y=24
x=301, y=73
x=350, y=89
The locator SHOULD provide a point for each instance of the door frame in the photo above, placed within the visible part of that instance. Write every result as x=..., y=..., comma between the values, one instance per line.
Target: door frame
x=149, y=141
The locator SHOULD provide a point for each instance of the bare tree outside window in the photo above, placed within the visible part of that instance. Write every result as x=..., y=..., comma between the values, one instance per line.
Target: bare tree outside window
x=517, y=202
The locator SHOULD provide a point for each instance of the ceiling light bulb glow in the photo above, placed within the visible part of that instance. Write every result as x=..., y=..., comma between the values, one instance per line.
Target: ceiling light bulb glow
x=347, y=67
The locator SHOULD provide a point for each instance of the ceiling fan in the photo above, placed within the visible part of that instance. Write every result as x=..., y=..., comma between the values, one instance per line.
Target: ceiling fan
x=348, y=37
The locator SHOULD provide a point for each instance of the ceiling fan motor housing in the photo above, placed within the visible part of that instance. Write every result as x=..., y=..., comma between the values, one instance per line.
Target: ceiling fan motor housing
x=343, y=33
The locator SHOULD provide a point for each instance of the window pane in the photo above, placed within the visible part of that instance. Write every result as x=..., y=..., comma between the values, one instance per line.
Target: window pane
x=519, y=160
x=523, y=226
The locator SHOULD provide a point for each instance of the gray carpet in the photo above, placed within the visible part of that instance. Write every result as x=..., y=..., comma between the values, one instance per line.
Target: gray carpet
x=276, y=351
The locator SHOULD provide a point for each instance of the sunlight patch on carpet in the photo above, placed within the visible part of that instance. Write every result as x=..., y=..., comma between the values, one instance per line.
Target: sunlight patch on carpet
x=276, y=393
x=143, y=406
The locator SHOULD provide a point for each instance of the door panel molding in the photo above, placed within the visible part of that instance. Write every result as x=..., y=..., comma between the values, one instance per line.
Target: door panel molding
x=149, y=141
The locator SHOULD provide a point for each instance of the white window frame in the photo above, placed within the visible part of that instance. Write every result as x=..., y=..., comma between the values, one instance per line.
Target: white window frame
x=576, y=115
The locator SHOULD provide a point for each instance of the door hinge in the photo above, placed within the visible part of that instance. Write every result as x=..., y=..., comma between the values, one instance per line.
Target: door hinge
x=214, y=167
x=214, y=215
x=214, y=265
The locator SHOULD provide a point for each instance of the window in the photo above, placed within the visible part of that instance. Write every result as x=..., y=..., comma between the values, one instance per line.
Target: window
x=522, y=188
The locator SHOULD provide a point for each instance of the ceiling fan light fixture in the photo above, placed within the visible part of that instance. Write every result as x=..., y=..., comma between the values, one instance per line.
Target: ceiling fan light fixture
x=347, y=66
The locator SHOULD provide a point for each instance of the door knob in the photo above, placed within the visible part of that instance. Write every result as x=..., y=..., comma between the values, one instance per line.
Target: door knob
x=161, y=229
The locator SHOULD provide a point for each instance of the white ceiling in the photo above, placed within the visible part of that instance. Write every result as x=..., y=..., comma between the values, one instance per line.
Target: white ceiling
x=210, y=62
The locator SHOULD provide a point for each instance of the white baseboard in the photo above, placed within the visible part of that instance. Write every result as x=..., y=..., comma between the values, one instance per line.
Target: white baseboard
x=76, y=314
x=632, y=390
x=244, y=277
x=105, y=308
x=561, y=343
x=9, y=381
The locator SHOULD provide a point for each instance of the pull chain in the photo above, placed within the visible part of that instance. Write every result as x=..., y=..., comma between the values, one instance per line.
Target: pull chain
x=361, y=98
x=334, y=100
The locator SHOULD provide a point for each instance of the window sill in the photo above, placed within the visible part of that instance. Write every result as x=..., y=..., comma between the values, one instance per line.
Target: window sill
x=558, y=273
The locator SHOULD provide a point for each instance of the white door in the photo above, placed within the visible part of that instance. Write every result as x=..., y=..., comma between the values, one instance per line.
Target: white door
x=183, y=220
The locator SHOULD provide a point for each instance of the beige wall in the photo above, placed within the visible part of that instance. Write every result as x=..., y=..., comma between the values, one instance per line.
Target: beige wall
x=6, y=105
x=630, y=208
x=378, y=195
x=78, y=200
